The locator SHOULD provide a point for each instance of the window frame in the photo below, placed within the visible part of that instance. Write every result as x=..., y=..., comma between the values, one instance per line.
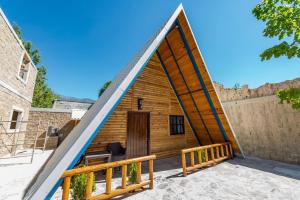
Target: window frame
x=24, y=81
x=20, y=116
x=176, y=124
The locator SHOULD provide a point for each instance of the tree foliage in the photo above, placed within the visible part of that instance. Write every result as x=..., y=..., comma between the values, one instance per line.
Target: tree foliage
x=43, y=96
x=282, y=18
x=291, y=96
x=104, y=87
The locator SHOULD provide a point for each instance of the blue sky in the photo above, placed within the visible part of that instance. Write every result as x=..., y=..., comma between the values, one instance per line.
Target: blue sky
x=85, y=43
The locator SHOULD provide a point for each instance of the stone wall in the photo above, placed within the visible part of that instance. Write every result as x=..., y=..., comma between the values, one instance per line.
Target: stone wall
x=43, y=118
x=264, y=127
x=11, y=55
x=14, y=93
x=230, y=94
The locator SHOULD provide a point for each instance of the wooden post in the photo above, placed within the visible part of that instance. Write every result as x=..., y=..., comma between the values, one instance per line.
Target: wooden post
x=222, y=150
x=151, y=173
x=200, y=156
x=108, y=180
x=206, y=155
x=192, y=159
x=218, y=152
x=89, y=185
x=230, y=149
x=139, y=173
x=124, y=176
x=66, y=188
x=183, y=163
x=212, y=153
x=226, y=149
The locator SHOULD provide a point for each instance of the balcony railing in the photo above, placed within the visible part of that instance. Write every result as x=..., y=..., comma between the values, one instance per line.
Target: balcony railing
x=108, y=167
x=206, y=155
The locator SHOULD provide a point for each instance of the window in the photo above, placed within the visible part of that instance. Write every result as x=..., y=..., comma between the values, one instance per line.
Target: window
x=176, y=124
x=24, y=68
x=15, y=120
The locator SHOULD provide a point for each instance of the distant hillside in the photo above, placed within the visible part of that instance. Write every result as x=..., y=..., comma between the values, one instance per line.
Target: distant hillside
x=231, y=94
x=74, y=99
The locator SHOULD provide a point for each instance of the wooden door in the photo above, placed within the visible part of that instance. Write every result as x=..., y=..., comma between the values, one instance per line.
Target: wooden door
x=137, y=134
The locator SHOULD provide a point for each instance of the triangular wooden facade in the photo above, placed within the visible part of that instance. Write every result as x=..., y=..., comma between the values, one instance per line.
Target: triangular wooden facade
x=175, y=51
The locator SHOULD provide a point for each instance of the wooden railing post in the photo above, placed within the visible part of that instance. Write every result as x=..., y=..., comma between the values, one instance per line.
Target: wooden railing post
x=206, y=155
x=89, y=185
x=151, y=173
x=218, y=151
x=212, y=154
x=222, y=150
x=124, y=176
x=230, y=149
x=183, y=163
x=109, y=192
x=192, y=158
x=226, y=149
x=66, y=188
x=108, y=180
x=199, y=156
x=139, y=172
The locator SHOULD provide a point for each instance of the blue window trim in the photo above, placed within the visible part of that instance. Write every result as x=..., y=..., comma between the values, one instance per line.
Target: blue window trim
x=189, y=91
x=178, y=97
x=187, y=47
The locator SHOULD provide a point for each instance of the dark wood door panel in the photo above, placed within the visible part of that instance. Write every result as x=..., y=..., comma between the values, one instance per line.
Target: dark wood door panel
x=137, y=134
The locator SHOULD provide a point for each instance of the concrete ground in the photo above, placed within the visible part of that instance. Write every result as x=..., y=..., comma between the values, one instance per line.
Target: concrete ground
x=249, y=178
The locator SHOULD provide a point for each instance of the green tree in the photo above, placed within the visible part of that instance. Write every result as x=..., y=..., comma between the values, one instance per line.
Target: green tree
x=43, y=96
x=291, y=96
x=282, y=18
x=104, y=87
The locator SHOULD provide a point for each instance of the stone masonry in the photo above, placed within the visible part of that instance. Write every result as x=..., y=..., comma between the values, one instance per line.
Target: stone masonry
x=231, y=94
x=264, y=128
x=42, y=118
x=14, y=93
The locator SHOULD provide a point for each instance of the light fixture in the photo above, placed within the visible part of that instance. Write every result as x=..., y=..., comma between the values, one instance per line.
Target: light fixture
x=140, y=103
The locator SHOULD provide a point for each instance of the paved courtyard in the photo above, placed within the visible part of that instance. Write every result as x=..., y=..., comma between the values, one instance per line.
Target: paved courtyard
x=249, y=178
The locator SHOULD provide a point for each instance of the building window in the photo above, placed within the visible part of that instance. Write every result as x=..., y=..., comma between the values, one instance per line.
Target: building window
x=24, y=68
x=176, y=124
x=15, y=120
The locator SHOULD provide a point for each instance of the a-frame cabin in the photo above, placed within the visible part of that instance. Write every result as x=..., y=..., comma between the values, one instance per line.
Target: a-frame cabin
x=161, y=102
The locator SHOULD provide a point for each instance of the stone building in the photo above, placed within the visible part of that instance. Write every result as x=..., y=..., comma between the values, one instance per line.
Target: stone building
x=17, y=80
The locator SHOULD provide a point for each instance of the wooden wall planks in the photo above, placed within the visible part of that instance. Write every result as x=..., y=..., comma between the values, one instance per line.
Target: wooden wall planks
x=158, y=99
